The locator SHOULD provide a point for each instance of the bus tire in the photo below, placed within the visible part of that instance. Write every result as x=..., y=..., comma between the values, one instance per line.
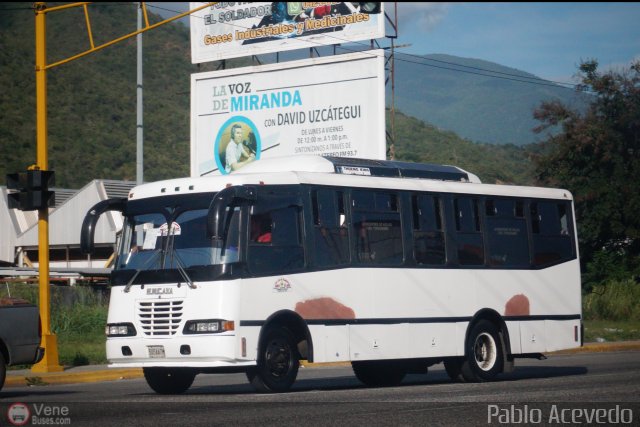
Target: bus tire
x=381, y=373
x=169, y=381
x=453, y=366
x=3, y=370
x=483, y=353
x=278, y=362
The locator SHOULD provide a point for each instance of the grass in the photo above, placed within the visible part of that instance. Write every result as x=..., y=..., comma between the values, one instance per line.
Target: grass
x=81, y=339
x=612, y=312
x=78, y=318
x=611, y=330
x=617, y=300
x=80, y=350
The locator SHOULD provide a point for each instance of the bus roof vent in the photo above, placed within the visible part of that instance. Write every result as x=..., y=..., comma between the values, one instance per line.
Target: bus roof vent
x=392, y=168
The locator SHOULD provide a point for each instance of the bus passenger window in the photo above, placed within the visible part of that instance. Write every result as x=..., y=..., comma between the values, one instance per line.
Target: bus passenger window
x=331, y=239
x=428, y=236
x=506, y=233
x=552, y=241
x=468, y=236
x=376, y=227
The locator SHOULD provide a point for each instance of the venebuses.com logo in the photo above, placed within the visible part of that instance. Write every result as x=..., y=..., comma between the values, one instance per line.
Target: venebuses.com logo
x=19, y=414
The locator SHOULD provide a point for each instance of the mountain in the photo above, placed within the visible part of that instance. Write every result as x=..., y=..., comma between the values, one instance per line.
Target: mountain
x=92, y=103
x=464, y=99
x=421, y=142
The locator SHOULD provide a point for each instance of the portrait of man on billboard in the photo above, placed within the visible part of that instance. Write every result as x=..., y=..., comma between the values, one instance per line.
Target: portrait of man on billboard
x=239, y=151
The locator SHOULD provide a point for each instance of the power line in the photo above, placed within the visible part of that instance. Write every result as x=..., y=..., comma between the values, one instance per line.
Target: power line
x=2, y=9
x=540, y=83
x=490, y=71
x=501, y=75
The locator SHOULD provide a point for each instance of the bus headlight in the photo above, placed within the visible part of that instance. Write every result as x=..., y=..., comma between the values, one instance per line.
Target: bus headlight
x=208, y=326
x=120, y=330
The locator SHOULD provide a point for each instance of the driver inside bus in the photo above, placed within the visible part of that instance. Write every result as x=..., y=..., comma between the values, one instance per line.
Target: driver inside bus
x=261, y=228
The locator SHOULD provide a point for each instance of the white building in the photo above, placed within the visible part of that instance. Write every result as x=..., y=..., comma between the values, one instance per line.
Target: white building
x=19, y=229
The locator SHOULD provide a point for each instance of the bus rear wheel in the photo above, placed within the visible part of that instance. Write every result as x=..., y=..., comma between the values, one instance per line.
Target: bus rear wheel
x=278, y=362
x=376, y=373
x=169, y=381
x=483, y=353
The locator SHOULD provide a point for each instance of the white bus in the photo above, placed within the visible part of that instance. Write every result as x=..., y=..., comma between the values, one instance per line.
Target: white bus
x=390, y=266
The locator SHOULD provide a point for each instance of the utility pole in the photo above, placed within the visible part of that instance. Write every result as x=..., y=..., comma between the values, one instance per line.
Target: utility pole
x=139, y=124
x=392, y=62
x=49, y=362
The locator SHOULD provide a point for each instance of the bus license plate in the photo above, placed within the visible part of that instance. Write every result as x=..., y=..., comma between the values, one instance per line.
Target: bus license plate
x=156, y=351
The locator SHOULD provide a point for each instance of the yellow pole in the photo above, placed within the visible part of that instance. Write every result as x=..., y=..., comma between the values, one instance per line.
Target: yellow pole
x=49, y=341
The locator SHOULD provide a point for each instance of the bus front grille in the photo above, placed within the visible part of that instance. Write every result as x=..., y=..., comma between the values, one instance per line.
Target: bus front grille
x=160, y=318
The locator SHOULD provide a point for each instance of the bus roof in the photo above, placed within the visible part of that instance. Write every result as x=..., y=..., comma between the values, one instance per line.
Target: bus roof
x=345, y=172
x=365, y=167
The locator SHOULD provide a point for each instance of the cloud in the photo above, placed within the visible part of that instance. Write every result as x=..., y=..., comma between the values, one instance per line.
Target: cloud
x=425, y=15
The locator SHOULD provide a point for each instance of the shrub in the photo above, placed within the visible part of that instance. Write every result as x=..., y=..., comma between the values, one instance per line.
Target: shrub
x=615, y=300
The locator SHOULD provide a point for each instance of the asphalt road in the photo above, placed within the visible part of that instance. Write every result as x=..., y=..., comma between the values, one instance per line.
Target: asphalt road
x=562, y=390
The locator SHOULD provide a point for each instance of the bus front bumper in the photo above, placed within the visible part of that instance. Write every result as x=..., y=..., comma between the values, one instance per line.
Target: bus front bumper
x=197, y=351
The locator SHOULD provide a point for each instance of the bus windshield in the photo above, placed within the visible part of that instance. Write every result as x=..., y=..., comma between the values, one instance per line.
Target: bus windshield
x=150, y=243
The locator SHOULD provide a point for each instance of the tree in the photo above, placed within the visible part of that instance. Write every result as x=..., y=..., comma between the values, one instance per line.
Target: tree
x=597, y=157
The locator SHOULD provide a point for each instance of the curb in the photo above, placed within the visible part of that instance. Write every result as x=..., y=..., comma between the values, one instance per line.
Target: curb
x=73, y=377
x=131, y=373
x=602, y=347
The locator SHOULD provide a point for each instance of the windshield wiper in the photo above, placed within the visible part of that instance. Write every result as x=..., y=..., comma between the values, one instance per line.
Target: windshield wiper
x=183, y=272
x=144, y=267
x=179, y=263
x=167, y=250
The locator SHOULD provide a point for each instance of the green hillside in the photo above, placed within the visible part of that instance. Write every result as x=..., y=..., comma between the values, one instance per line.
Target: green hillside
x=421, y=142
x=473, y=105
x=92, y=104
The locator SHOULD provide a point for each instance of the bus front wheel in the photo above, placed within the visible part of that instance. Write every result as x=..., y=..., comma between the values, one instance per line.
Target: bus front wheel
x=483, y=353
x=278, y=362
x=169, y=381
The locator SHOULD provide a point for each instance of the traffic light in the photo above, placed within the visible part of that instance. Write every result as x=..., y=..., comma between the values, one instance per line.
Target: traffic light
x=33, y=190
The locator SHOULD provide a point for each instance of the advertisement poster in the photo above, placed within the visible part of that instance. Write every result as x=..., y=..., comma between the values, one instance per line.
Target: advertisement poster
x=235, y=29
x=332, y=106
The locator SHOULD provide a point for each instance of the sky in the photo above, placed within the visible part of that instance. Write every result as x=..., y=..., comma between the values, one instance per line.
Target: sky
x=545, y=39
x=548, y=40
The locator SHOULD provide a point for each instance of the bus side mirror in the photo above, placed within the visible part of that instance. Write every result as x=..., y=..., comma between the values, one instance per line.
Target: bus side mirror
x=91, y=218
x=218, y=214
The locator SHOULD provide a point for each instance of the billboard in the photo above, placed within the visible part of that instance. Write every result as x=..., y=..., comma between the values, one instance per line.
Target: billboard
x=326, y=106
x=235, y=29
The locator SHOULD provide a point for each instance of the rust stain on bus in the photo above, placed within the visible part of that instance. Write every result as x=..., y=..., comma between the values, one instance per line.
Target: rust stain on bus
x=518, y=305
x=324, y=308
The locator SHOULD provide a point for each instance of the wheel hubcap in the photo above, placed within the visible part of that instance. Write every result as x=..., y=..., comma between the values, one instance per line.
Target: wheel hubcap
x=278, y=358
x=485, y=351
